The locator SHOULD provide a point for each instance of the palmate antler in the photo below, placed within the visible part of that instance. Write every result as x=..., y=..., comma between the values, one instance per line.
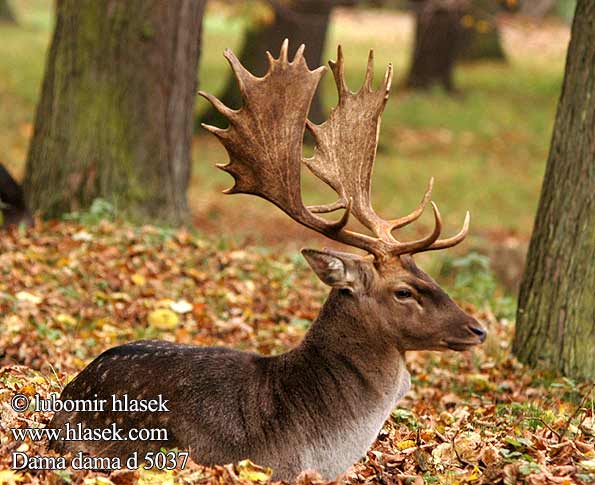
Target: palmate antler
x=264, y=141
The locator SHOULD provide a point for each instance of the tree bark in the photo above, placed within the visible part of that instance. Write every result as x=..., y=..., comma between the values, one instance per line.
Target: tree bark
x=481, y=35
x=437, y=43
x=115, y=115
x=6, y=14
x=556, y=314
x=300, y=21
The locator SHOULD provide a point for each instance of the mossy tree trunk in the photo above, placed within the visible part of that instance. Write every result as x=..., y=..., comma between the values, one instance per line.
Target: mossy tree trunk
x=438, y=34
x=115, y=116
x=556, y=315
x=300, y=21
x=6, y=14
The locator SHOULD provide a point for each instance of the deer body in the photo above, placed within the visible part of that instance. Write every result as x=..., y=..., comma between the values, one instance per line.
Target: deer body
x=320, y=405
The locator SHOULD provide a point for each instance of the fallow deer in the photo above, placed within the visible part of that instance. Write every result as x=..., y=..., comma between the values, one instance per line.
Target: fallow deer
x=321, y=405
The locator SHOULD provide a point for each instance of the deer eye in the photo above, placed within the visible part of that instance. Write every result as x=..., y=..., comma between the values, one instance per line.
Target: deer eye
x=403, y=293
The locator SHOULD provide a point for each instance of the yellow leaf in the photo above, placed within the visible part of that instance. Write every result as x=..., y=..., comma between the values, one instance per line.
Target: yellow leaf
x=253, y=473
x=100, y=295
x=150, y=477
x=39, y=379
x=120, y=296
x=163, y=319
x=8, y=477
x=27, y=389
x=64, y=261
x=66, y=319
x=475, y=474
x=138, y=279
x=403, y=445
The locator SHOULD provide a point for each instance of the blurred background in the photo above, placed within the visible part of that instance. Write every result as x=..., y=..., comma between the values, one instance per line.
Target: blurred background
x=472, y=104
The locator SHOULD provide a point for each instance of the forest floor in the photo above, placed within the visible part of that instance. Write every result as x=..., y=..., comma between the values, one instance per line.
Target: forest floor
x=69, y=290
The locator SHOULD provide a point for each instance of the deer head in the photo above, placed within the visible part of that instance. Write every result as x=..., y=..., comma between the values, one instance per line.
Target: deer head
x=264, y=140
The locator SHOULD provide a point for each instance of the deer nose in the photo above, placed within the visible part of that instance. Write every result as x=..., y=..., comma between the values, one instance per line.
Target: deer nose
x=479, y=331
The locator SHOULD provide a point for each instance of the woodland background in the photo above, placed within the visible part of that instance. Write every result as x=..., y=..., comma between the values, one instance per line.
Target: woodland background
x=74, y=286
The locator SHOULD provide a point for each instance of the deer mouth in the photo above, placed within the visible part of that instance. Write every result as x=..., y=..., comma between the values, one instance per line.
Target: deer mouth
x=459, y=345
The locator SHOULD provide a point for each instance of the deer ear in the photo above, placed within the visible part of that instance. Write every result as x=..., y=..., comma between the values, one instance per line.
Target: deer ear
x=333, y=268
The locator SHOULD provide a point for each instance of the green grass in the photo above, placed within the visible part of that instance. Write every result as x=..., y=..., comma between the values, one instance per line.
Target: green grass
x=486, y=146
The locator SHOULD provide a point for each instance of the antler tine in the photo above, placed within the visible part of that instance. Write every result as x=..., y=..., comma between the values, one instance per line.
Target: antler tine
x=299, y=54
x=326, y=208
x=283, y=51
x=423, y=243
x=219, y=106
x=413, y=216
x=451, y=241
x=243, y=76
x=368, y=80
x=218, y=132
x=388, y=80
x=338, y=68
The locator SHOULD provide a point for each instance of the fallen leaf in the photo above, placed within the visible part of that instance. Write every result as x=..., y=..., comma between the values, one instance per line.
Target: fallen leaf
x=28, y=297
x=253, y=473
x=138, y=279
x=181, y=306
x=403, y=445
x=163, y=319
x=9, y=477
x=587, y=465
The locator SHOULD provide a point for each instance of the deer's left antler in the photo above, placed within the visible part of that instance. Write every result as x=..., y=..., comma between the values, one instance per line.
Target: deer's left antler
x=264, y=142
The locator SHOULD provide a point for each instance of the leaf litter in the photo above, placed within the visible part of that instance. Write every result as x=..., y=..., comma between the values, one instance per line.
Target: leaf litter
x=69, y=291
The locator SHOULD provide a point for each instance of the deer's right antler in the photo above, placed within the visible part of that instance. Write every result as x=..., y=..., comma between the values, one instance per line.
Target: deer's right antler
x=264, y=142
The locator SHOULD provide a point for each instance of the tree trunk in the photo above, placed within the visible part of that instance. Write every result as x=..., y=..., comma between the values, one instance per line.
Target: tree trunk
x=481, y=35
x=437, y=42
x=556, y=315
x=300, y=21
x=6, y=14
x=115, y=115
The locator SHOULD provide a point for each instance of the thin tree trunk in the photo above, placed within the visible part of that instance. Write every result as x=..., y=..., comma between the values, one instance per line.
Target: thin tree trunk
x=437, y=42
x=300, y=21
x=115, y=115
x=556, y=315
x=6, y=14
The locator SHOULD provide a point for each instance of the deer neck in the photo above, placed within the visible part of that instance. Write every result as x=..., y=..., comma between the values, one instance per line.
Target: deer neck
x=346, y=380
x=342, y=339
